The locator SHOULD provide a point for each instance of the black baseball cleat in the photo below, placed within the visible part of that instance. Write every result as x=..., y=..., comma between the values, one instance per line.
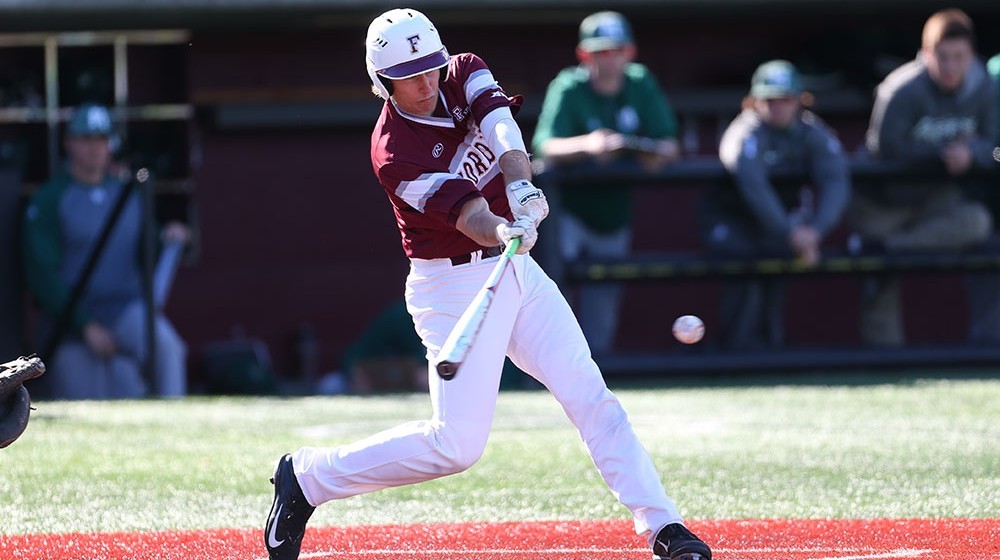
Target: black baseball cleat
x=675, y=542
x=286, y=524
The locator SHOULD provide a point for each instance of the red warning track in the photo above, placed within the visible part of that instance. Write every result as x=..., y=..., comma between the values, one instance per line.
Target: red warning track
x=889, y=539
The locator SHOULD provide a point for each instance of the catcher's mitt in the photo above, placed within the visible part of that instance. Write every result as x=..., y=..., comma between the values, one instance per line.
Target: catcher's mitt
x=15, y=404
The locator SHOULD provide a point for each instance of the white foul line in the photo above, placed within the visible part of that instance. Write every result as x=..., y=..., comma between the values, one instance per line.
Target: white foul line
x=902, y=552
x=898, y=553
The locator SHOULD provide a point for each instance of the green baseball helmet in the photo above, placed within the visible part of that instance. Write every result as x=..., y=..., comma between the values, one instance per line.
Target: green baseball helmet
x=775, y=79
x=603, y=31
x=90, y=120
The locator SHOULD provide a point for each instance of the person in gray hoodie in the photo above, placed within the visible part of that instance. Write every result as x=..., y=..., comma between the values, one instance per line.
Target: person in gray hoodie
x=984, y=287
x=757, y=216
x=102, y=355
x=936, y=111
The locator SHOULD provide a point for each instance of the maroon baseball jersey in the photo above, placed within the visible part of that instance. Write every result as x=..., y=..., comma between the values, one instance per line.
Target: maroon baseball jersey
x=431, y=166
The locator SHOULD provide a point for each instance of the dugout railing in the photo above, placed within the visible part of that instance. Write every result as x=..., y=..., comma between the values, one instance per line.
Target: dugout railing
x=695, y=265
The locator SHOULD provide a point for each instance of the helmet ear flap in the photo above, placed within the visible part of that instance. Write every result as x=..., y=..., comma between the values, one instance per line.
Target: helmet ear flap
x=386, y=83
x=377, y=82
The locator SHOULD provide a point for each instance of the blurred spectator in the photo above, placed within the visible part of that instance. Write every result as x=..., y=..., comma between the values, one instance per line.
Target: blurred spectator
x=759, y=217
x=993, y=69
x=102, y=354
x=388, y=355
x=984, y=287
x=608, y=108
x=935, y=111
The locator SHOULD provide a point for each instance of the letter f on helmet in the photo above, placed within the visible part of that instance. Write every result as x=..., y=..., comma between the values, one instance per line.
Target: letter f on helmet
x=402, y=43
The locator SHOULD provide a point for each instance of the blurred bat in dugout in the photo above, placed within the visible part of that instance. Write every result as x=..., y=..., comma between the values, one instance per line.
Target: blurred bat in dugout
x=641, y=144
x=166, y=270
x=463, y=334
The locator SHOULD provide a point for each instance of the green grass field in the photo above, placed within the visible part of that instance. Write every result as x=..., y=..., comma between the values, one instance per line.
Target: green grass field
x=915, y=448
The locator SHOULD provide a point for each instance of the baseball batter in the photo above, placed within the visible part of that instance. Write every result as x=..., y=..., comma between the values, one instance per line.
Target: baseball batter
x=452, y=161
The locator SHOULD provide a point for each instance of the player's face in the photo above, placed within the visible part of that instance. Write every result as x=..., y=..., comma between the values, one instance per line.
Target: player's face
x=948, y=62
x=609, y=63
x=91, y=154
x=779, y=112
x=417, y=95
x=607, y=67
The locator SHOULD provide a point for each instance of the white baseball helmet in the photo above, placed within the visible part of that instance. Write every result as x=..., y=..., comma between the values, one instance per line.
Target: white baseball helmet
x=402, y=43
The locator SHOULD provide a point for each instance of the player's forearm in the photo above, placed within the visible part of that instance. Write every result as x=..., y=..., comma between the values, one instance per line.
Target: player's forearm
x=515, y=166
x=478, y=223
x=524, y=198
x=761, y=200
x=565, y=149
x=668, y=149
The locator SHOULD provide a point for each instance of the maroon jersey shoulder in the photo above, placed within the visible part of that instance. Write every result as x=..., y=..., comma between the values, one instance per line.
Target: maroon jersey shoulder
x=430, y=166
x=474, y=82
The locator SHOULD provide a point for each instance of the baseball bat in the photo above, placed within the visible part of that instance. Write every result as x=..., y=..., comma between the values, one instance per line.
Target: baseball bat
x=166, y=270
x=62, y=324
x=463, y=334
x=641, y=144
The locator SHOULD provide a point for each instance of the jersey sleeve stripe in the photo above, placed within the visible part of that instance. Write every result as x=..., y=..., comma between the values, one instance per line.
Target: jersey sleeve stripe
x=478, y=82
x=416, y=193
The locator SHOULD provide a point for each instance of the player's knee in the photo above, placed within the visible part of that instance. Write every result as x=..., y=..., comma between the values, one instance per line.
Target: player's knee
x=461, y=459
x=458, y=451
x=596, y=413
x=454, y=464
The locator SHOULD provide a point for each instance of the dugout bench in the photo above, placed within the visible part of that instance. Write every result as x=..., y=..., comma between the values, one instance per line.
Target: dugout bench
x=692, y=265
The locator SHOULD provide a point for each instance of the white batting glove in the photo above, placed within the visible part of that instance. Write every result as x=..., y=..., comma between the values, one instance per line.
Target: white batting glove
x=527, y=200
x=523, y=227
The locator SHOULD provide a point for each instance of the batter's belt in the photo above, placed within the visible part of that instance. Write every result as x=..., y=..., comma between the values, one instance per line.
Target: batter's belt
x=477, y=255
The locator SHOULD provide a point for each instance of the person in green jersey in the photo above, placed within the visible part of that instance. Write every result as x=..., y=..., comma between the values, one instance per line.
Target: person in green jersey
x=608, y=108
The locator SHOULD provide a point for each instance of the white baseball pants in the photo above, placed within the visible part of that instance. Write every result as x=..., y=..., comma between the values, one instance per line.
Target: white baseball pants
x=531, y=322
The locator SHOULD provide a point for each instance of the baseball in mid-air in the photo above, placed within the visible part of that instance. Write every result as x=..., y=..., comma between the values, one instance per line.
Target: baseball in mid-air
x=689, y=329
